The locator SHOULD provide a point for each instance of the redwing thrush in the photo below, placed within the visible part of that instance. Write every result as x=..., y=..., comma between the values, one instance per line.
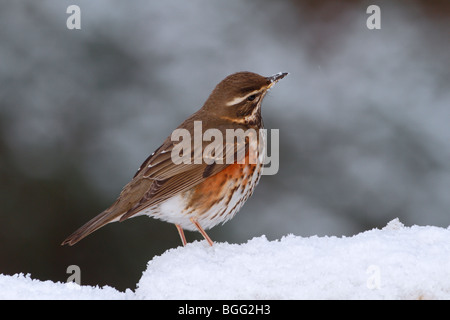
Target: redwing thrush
x=197, y=195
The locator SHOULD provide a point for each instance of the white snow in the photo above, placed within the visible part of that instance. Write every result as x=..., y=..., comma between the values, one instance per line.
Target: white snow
x=396, y=262
x=23, y=287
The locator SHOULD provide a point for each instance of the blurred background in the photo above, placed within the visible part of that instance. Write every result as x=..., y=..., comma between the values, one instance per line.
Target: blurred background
x=364, y=120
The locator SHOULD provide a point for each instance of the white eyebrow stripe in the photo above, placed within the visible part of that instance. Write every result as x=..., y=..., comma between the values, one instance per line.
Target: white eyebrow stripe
x=240, y=99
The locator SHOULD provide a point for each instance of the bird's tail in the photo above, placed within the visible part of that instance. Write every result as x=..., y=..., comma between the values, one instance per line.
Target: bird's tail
x=92, y=225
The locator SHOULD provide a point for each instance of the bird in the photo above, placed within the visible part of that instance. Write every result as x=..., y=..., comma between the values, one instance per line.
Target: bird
x=201, y=189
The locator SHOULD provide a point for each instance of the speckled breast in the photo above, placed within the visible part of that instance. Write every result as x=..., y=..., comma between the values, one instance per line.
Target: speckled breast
x=219, y=197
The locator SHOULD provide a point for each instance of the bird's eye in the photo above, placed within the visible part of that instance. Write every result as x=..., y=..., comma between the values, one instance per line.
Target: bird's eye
x=251, y=98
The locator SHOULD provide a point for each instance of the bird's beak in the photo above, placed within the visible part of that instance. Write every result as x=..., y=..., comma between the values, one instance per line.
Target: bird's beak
x=275, y=78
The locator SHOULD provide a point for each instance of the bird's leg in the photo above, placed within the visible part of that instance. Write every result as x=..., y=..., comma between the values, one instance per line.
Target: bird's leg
x=181, y=233
x=200, y=229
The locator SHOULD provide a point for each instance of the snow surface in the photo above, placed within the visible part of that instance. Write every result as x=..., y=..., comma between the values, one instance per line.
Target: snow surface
x=396, y=262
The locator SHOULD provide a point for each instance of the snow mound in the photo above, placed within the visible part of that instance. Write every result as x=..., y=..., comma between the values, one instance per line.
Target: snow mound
x=392, y=263
x=396, y=262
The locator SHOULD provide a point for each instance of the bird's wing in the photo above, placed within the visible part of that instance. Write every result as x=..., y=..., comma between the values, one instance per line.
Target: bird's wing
x=169, y=179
